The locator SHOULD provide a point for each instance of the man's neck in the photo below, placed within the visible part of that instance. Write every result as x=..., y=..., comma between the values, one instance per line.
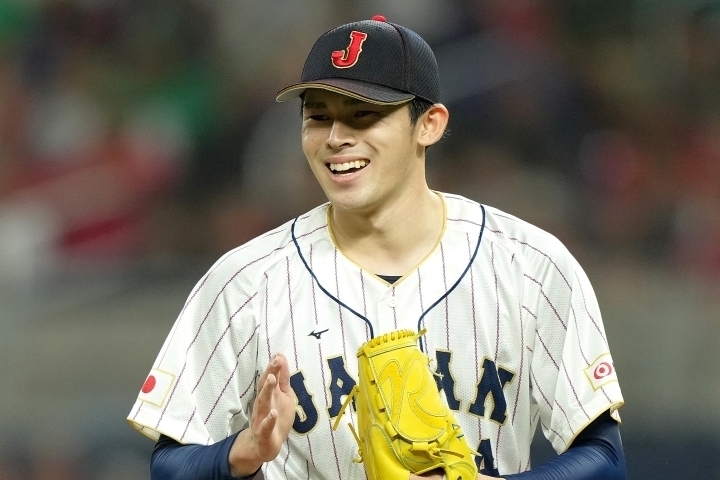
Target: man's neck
x=394, y=239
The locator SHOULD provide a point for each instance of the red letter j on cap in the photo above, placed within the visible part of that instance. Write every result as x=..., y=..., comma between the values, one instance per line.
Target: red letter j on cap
x=349, y=57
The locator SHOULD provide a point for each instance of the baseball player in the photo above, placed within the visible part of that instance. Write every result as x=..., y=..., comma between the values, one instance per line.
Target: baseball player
x=256, y=368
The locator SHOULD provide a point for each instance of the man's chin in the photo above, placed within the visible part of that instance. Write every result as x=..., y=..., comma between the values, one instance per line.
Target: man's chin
x=351, y=204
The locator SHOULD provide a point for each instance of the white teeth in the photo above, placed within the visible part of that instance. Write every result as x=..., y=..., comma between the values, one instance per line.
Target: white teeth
x=341, y=167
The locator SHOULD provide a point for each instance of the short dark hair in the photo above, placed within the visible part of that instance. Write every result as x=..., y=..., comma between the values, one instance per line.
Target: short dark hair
x=418, y=106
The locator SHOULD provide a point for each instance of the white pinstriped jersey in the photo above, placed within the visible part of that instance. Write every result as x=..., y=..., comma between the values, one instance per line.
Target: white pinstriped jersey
x=512, y=325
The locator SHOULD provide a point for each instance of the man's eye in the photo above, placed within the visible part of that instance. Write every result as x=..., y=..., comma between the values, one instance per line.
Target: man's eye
x=317, y=118
x=365, y=113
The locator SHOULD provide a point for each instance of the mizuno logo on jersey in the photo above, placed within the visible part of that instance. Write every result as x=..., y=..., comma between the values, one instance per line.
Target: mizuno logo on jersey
x=317, y=334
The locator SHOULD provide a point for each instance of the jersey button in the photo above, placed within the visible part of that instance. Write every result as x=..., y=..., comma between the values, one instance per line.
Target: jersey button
x=392, y=302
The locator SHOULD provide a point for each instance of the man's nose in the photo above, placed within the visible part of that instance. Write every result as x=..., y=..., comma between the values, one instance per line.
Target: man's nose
x=340, y=135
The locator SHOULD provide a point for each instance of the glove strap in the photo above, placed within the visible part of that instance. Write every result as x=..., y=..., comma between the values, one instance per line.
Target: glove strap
x=347, y=401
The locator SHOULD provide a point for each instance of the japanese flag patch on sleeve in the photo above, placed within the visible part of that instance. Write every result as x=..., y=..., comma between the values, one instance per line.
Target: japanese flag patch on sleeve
x=156, y=387
x=601, y=371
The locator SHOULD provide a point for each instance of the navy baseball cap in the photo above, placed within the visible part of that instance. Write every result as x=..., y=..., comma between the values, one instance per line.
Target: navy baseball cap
x=372, y=60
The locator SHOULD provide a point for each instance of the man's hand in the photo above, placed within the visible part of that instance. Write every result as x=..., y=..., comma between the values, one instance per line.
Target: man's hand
x=271, y=421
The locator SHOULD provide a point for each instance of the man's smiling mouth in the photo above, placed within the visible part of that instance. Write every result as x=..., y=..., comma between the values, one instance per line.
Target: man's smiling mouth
x=347, y=167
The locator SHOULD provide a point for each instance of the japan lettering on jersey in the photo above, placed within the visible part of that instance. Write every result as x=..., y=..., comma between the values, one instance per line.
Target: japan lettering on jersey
x=513, y=330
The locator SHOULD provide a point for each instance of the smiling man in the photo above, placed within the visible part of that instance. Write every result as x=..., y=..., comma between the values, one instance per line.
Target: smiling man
x=263, y=355
x=370, y=162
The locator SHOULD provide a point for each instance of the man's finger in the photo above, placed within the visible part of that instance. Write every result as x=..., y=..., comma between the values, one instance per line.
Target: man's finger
x=283, y=373
x=268, y=423
x=264, y=431
x=264, y=399
x=272, y=367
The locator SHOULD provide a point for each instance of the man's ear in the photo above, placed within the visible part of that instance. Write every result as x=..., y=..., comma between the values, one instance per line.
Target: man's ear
x=432, y=124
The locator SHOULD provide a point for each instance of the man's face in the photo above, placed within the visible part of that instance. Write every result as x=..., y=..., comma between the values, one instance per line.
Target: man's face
x=364, y=155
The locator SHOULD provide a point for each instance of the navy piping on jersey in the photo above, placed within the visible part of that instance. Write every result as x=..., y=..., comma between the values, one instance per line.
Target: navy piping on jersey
x=365, y=319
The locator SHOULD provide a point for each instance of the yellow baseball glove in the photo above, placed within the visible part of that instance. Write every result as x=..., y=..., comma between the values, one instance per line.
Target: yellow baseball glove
x=403, y=424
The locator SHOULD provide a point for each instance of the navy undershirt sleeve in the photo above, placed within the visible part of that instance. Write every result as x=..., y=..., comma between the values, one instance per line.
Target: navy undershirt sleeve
x=596, y=454
x=172, y=460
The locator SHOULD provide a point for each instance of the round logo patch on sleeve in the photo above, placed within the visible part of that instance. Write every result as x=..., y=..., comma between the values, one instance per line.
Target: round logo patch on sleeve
x=601, y=371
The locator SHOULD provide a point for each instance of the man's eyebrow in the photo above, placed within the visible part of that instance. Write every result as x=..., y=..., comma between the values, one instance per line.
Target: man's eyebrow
x=311, y=104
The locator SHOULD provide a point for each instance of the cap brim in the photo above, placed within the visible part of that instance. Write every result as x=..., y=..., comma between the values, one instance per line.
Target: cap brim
x=365, y=91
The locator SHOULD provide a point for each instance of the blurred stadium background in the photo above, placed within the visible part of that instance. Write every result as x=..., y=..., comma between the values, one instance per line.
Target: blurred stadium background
x=139, y=140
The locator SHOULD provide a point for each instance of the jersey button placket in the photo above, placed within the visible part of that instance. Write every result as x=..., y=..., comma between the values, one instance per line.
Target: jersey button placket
x=386, y=311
